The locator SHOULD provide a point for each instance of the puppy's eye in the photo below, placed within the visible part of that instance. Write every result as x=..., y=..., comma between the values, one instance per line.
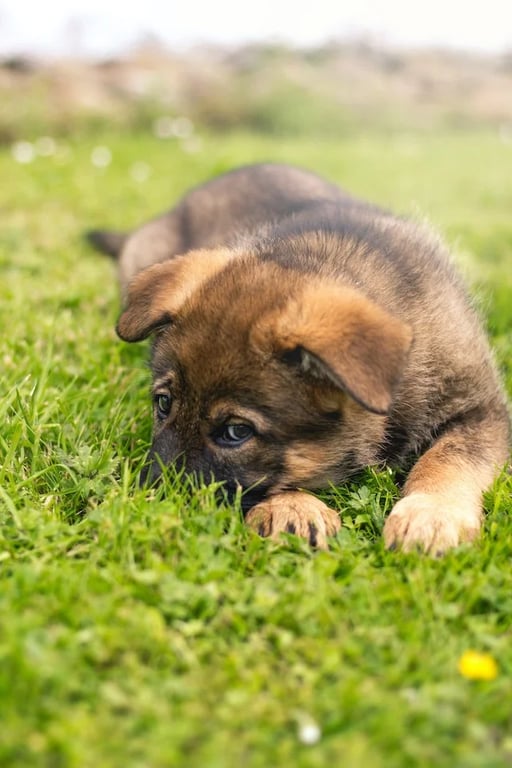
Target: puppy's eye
x=163, y=405
x=232, y=435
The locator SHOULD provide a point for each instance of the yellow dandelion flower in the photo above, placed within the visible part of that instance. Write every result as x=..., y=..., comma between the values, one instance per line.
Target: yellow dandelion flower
x=478, y=666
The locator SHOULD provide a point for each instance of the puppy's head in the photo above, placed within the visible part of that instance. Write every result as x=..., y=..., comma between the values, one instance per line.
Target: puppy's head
x=264, y=378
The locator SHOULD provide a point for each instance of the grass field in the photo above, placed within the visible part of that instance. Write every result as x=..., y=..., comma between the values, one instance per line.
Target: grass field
x=144, y=631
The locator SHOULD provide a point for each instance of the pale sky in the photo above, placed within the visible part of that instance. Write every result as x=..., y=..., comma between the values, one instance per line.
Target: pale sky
x=100, y=27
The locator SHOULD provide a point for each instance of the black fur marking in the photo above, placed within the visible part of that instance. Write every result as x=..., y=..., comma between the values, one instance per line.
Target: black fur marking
x=313, y=534
x=108, y=242
x=161, y=322
x=290, y=528
x=249, y=498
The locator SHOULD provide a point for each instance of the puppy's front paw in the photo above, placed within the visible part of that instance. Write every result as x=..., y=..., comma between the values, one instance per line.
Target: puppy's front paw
x=295, y=512
x=430, y=522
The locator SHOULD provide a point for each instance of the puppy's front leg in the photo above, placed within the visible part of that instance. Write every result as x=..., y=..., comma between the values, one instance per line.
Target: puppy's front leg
x=442, y=502
x=295, y=512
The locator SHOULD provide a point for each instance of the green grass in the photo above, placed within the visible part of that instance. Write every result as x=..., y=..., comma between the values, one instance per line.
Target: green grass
x=137, y=630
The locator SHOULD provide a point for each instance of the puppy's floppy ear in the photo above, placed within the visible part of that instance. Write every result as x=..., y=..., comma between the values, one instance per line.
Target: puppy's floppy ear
x=157, y=293
x=337, y=334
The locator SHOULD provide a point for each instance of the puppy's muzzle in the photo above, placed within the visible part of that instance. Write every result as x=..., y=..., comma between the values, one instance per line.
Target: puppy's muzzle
x=161, y=455
x=154, y=470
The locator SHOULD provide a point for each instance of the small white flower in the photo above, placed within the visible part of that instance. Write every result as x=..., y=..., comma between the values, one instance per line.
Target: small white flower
x=162, y=127
x=309, y=733
x=505, y=133
x=182, y=127
x=140, y=172
x=45, y=146
x=167, y=127
x=101, y=157
x=23, y=152
x=192, y=145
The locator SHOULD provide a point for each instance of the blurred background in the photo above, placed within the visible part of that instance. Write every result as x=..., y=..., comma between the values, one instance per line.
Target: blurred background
x=281, y=68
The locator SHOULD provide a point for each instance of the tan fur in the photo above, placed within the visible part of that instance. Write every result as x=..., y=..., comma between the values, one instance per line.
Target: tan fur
x=298, y=513
x=355, y=341
x=441, y=506
x=176, y=281
x=301, y=335
x=223, y=408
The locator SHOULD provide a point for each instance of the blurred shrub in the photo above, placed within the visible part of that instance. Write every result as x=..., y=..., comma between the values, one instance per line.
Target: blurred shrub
x=267, y=88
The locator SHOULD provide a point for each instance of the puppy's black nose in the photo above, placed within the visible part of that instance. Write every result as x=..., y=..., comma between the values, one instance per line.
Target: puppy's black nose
x=253, y=496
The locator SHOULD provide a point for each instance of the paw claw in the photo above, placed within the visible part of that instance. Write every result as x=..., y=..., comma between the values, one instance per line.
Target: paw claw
x=313, y=534
x=295, y=512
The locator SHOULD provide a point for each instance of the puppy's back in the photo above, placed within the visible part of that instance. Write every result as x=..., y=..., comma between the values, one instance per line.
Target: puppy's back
x=217, y=212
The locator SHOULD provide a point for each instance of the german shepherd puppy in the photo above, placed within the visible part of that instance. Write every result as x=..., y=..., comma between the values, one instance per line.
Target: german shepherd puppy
x=299, y=335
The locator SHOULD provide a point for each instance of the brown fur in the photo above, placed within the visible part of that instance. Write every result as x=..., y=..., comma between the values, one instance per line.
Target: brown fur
x=300, y=335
